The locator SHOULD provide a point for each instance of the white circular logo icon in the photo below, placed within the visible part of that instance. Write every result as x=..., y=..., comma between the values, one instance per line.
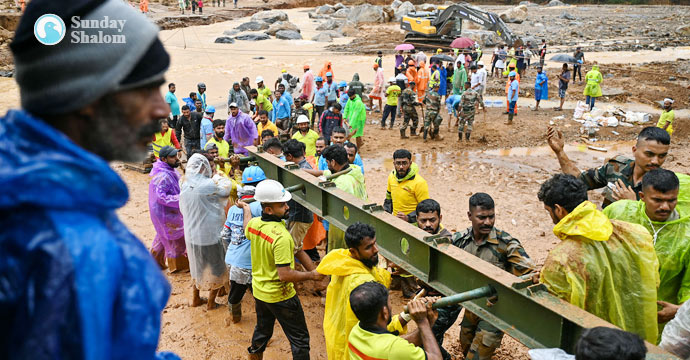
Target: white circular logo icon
x=49, y=29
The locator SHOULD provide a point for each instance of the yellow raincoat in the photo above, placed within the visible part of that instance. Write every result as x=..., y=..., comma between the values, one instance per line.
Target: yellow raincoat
x=594, y=79
x=346, y=274
x=606, y=267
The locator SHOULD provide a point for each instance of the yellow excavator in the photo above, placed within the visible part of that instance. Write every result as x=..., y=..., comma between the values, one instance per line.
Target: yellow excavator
x=440, y=27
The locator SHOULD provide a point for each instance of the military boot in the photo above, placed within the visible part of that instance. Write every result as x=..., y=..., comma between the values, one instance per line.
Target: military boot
x=425, y=133
x=459, y=136
x=402, y=134
x=437, y=136
x=467, y=135
x=236, y=312
x=413, y=131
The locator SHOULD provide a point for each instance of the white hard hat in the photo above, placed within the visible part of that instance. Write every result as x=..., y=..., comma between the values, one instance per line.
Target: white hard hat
x=392, y=79
x=302, y=119
x=480, y=63
x=271, y=191
x=259, y=79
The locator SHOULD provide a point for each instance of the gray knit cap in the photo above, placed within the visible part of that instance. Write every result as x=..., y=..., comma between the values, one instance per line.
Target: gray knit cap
x=67, y=76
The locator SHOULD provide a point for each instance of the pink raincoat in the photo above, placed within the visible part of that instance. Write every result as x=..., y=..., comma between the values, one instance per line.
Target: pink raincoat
x=164, y=207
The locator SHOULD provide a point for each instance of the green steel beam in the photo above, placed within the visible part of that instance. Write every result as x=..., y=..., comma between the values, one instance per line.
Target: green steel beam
x=524, y=311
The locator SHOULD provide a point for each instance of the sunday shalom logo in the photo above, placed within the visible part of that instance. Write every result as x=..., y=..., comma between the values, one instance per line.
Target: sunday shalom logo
x=92, y=31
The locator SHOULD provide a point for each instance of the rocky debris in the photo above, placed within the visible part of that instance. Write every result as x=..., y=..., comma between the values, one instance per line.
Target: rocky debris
x=339, y=6
x=325, y=9
x=231, y=32
x=253, y=26
x=331, y=24
x=224, y=40
x=333, y=34
x=515, y=15
x=613, y=91
x=349, y=30
x=341, y=14
x=281, y=25
x=253, y=36
x=396, y=4
x=402, y=10
x=428, y=7
x=7, y=73
x=484, y=37
x=567, y=16
x=528, y=3
x=555, y=3
x=366, y=13
x=683, y=30
x=288, y=35
x=270, y=16
x=322, y=37
x=318, y=16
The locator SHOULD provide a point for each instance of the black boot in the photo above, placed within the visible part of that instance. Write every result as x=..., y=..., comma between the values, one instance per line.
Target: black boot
x=459, y=136
x=437, y=136
x=425, y=133
x=402, y=134
x=467, y=135
x=413, y=131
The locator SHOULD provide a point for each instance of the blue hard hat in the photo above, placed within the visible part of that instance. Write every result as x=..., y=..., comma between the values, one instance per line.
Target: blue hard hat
x=512, y=73
x=253, y=175
x=342, y=84
x=210, y=109
x=319, y=78
x=329, y=74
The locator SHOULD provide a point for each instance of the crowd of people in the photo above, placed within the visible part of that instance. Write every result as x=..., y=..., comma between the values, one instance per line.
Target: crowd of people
x=78, y=284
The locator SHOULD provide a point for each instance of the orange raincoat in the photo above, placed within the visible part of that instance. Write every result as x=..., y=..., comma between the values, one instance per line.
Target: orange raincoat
x=411, y=74
x=422, y=80
x=327, y=68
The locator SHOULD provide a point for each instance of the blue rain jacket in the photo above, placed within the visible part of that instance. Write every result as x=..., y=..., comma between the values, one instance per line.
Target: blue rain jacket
x=75, y=283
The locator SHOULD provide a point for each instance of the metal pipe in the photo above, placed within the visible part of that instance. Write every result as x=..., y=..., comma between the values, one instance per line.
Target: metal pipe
x=478, y=293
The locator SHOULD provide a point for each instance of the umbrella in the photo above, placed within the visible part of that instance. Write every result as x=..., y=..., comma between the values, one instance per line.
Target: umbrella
x=443, y=57
x=564, y=58
x=462, y=42
x=404, y=47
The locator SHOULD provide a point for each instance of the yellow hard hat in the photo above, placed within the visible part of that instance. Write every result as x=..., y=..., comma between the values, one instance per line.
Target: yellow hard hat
x=438, y=51
x=283, y=70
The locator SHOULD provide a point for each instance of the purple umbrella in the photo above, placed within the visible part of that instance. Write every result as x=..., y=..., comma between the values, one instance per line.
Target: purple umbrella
x=404, y=47
x=461, y=43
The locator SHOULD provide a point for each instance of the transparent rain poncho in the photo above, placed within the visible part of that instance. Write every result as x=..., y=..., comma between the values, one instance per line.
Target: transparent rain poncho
x=201, y=202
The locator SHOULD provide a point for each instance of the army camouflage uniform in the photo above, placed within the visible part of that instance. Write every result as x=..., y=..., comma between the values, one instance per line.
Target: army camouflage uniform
x=618, y=168
x=466, y=109
x=292, y=123
x=432, y=100
x=478, y=338
x=408, y=100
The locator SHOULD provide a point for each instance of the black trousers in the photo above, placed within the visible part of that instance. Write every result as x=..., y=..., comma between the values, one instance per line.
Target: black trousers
x=389, y=110
x=237, y=291
x=318, y=110
x=172, y=122
x=290, y=316
x=577, y=70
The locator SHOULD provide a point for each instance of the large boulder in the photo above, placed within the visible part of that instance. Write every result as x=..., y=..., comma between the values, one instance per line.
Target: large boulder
x=339, y=6
x=333, y=33
x=253, y=36
x=270, y=16
x=428, y=7
x=281, y=25
x=331, y=24
x=396, y=4
x=325, y=9
x=683, y=30
x=253, y=26
x=366, y=13
x=349, y=30
x=403, y=9
x=323, y=37
x=483, y=37
x=555, y=3
x=566, y=15
x=313, y=15
x=224, y=40
x=341, y=14
x=288, y=35
x=515, y=15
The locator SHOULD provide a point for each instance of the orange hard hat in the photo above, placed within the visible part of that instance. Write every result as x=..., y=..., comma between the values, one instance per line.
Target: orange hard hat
x=306, y=67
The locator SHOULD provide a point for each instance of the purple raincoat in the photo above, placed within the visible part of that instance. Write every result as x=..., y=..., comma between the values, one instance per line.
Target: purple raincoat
x=241, y=131
x=164, y=207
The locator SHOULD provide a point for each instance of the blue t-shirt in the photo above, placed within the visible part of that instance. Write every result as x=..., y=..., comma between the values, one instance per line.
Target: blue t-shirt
x=332, y=91
x=171, y=99
x=513, y=91
x=281, y=109
x=323, y=165
x=206, y=128
x=320, y=96
x=343, y=100
x=287, y=96
x=239, y=251
x=451, y=102
x=189, y=102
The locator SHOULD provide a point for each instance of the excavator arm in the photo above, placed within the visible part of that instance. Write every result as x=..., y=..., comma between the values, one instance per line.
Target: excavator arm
x=442, y=26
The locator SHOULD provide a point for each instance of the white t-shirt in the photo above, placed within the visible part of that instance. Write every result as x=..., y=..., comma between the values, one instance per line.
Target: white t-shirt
x=482, y=76
x=476, y=79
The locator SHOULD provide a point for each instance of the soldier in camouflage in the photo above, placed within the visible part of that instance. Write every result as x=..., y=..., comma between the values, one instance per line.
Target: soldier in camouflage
x=466, y=108
x=408, y=100
x=432, y=101
x=478, y=338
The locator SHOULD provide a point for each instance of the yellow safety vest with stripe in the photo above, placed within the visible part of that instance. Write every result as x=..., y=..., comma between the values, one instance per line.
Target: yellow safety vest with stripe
x=434, y=79
x=160, y=141
x=381, y=345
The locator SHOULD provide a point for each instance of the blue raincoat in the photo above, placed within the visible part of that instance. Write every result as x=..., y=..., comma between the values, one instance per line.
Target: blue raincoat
x=444, y=81
x=75, y=283
x=541, y=92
